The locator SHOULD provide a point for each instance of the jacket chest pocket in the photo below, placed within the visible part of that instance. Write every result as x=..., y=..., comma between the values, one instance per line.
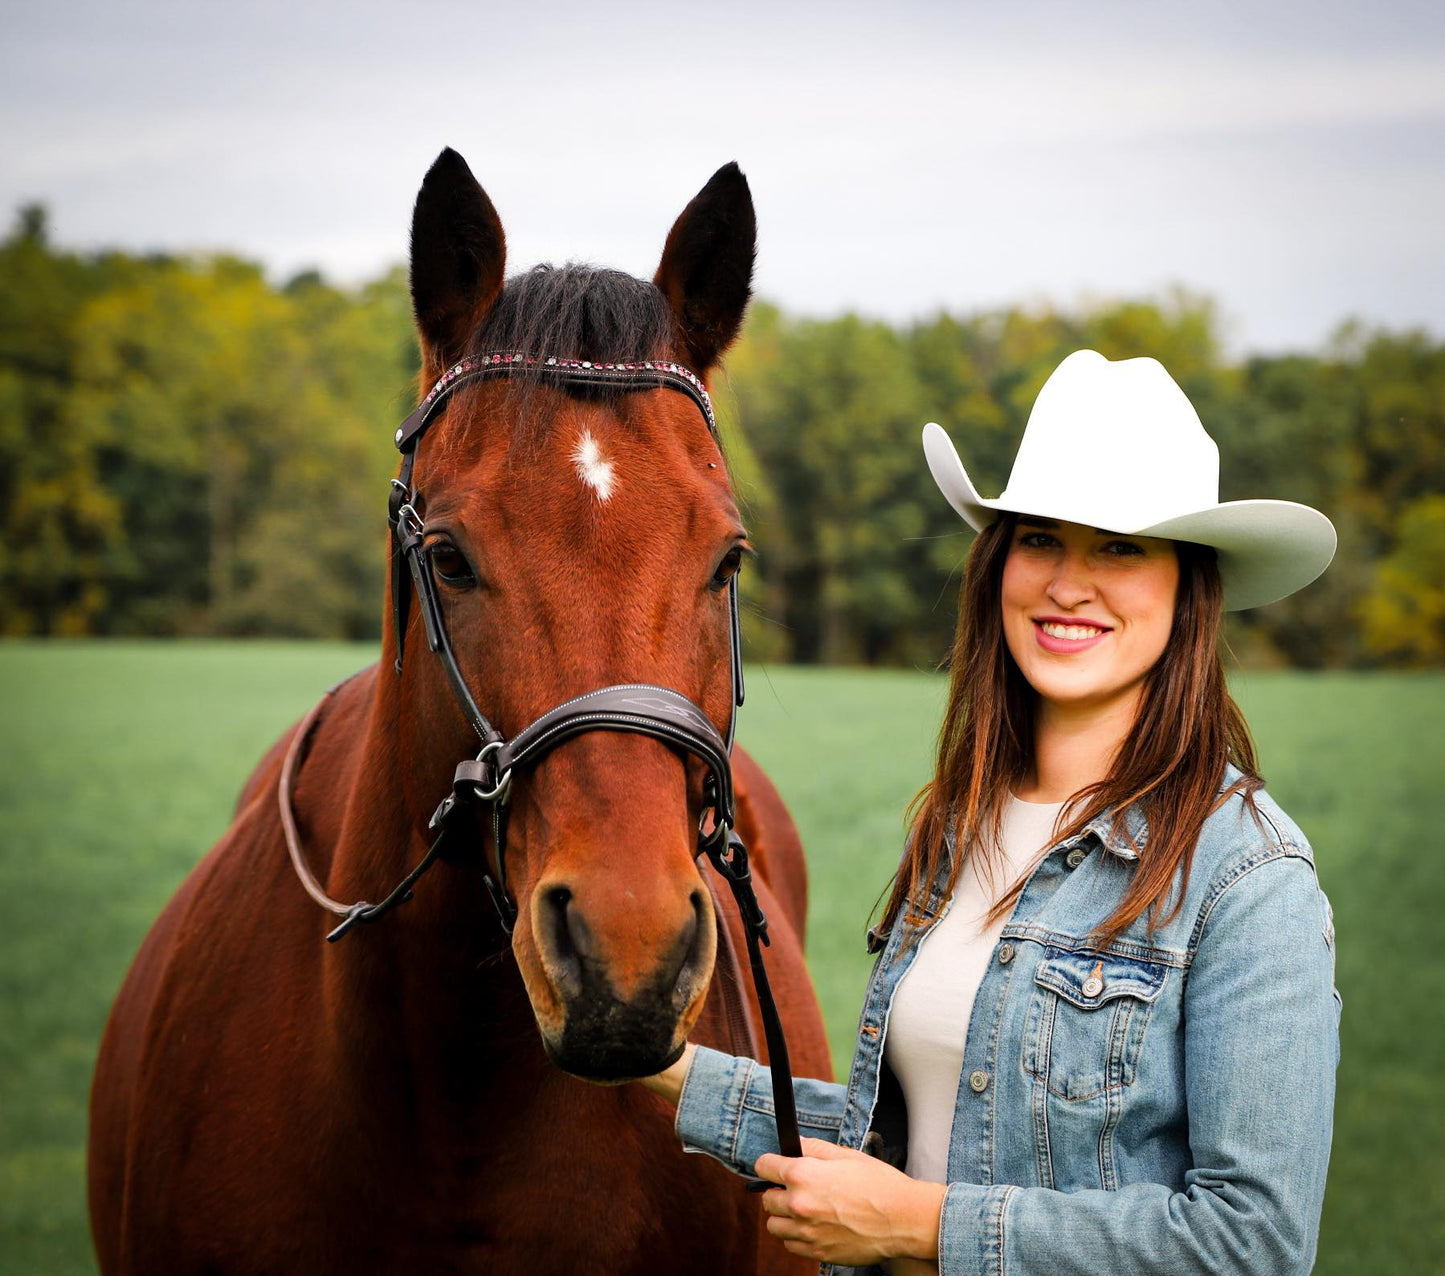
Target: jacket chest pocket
x=1086, y=1021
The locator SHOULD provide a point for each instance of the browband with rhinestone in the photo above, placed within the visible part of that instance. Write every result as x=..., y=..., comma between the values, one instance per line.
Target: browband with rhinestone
x=636, y=373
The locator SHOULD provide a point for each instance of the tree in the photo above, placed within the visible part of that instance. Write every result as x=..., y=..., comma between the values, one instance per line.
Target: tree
x=1404, y=612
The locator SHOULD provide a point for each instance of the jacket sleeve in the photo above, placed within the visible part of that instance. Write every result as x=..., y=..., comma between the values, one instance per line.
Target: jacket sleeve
x=726, y=1109
x=1261, y=1046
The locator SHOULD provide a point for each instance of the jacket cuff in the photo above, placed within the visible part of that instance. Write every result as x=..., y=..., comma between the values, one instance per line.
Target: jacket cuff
x=971, y=1229
x=709, y=1109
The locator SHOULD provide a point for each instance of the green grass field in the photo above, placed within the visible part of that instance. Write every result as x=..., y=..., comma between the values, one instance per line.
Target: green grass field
x=119, y=764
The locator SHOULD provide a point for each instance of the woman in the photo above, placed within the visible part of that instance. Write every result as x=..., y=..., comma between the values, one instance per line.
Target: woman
x=1103, y=1038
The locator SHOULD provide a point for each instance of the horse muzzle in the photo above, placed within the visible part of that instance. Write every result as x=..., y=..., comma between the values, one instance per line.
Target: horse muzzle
x=617, y=1011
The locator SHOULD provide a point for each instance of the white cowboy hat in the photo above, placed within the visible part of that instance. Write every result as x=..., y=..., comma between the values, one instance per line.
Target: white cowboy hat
x=1118, y=446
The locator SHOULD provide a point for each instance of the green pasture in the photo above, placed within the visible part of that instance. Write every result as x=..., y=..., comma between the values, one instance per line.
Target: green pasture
x=119, y=763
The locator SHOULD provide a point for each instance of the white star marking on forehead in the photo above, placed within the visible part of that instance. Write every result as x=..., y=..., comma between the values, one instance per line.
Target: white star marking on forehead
x=592, y=468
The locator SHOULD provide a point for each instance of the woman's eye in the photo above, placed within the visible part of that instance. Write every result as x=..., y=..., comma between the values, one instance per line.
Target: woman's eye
x=449, y=564
x=728, y=568
x=1037, y=540
x=1123, y=549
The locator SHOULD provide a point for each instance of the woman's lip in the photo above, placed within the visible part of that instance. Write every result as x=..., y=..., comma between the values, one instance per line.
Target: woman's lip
x=1066, y=646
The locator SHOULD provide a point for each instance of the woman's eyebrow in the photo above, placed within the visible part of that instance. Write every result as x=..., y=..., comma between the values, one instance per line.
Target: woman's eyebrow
x=1030, y=520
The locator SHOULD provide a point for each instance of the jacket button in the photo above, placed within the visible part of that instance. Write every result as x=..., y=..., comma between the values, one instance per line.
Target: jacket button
x=1076, y=857
x=978, y=1081
x=1093, y=986
x=1005, y=954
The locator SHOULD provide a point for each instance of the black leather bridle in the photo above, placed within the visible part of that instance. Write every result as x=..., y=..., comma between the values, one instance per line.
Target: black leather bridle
x=485, y=781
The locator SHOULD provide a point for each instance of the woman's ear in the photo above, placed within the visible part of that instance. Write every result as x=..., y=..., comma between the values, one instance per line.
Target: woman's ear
x=706, y=272
x=458, y=259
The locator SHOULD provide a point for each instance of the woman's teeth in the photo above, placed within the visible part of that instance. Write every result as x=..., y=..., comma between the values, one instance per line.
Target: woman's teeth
x=1074, y=633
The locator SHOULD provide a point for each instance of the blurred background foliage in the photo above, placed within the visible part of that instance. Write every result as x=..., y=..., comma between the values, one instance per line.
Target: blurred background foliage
x=189, y=449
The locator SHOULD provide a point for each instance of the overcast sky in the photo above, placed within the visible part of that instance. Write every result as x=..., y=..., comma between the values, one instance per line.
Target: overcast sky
x=1287, y=159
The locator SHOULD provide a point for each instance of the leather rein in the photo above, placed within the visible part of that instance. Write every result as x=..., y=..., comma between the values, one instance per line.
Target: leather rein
x=484, y=783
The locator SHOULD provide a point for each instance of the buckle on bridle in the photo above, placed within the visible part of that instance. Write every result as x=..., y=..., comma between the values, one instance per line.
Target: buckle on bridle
x=479, y=779
x=710, y=841
x=408, y=522
x=475, y=780
x=501, y=789
x=729, y=856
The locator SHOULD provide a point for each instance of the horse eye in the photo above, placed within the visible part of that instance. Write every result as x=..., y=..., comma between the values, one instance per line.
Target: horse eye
x=449, y=564
x=728, y=568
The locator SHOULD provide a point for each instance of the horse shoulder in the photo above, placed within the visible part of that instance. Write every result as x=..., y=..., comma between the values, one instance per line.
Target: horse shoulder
x=206, y=1033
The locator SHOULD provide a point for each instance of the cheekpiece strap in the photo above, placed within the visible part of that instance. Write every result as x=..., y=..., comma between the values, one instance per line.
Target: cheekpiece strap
x=638, y=374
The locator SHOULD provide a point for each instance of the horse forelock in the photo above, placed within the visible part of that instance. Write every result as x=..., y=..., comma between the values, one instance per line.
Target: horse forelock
x=573, y=311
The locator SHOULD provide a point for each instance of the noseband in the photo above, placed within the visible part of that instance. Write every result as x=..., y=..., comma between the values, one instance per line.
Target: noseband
x=484, y=782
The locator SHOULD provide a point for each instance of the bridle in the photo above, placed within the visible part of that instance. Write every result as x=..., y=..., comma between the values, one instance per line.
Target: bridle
x=484, y=782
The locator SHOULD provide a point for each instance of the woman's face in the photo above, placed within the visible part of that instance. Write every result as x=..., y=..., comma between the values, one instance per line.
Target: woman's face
x=1087, y=613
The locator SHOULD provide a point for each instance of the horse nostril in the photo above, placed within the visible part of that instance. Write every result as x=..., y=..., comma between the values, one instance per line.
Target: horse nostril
x=571, y=937
x=691, y=933
x=565, y=932
x=691, y=943
x=580, y=933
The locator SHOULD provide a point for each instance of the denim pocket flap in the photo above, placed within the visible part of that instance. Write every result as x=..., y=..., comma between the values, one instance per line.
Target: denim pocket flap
x=1088, y=980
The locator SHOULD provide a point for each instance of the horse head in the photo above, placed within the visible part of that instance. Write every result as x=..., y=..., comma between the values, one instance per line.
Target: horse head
x=580, y=537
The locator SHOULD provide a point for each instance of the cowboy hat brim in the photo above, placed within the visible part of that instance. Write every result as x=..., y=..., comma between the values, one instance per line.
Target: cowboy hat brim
x=1267, y=549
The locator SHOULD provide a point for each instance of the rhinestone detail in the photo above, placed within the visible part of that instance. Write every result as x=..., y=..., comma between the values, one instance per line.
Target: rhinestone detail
x=503, y=359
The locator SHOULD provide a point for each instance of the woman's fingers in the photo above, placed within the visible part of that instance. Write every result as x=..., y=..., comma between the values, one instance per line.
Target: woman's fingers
x=823, y=1150
x=790, y=1229
x=775, y=1202
x=771, y=1166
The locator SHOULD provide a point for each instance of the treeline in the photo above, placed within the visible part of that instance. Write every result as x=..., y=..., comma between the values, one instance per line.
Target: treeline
x=187, y=449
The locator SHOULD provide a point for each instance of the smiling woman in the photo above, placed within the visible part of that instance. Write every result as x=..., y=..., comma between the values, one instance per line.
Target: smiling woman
x=1070, y=590
x=1101, y=1034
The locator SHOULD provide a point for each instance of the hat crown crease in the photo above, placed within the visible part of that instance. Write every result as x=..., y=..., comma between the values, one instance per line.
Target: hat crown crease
x=1116, y=445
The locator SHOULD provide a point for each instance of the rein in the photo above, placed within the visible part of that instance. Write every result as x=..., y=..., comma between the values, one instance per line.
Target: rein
x=485, y=782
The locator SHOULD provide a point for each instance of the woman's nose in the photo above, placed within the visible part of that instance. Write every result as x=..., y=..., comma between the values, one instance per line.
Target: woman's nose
x=1071, y=584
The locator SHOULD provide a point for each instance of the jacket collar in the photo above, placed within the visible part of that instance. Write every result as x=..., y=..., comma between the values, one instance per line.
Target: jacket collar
x=1128, y=842
x=1134, y=835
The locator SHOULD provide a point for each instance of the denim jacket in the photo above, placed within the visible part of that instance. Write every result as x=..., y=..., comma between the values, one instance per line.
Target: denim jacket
x=1163, y=1104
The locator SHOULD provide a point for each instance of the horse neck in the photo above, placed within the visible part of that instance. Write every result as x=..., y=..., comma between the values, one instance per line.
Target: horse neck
x=348, y=792
x=418, y=986
x=363, y=797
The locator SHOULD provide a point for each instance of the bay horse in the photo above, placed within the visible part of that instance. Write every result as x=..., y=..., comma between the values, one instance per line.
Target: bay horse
x=424, y=1097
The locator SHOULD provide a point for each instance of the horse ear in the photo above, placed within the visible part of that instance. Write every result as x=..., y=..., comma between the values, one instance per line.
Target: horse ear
x=706, y=272
x=458, y=258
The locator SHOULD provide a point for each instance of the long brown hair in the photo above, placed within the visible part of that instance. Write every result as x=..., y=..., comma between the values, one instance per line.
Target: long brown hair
x=1171, y=764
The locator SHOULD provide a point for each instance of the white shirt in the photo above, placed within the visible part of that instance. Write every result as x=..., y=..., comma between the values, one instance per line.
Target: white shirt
x=928, y=1021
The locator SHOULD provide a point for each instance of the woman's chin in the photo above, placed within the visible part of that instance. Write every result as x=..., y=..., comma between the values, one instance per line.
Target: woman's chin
x=1087, y=695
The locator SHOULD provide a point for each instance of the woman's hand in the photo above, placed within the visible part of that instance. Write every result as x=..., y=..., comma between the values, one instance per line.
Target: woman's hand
x=668, y=1082
x=840, y=1206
